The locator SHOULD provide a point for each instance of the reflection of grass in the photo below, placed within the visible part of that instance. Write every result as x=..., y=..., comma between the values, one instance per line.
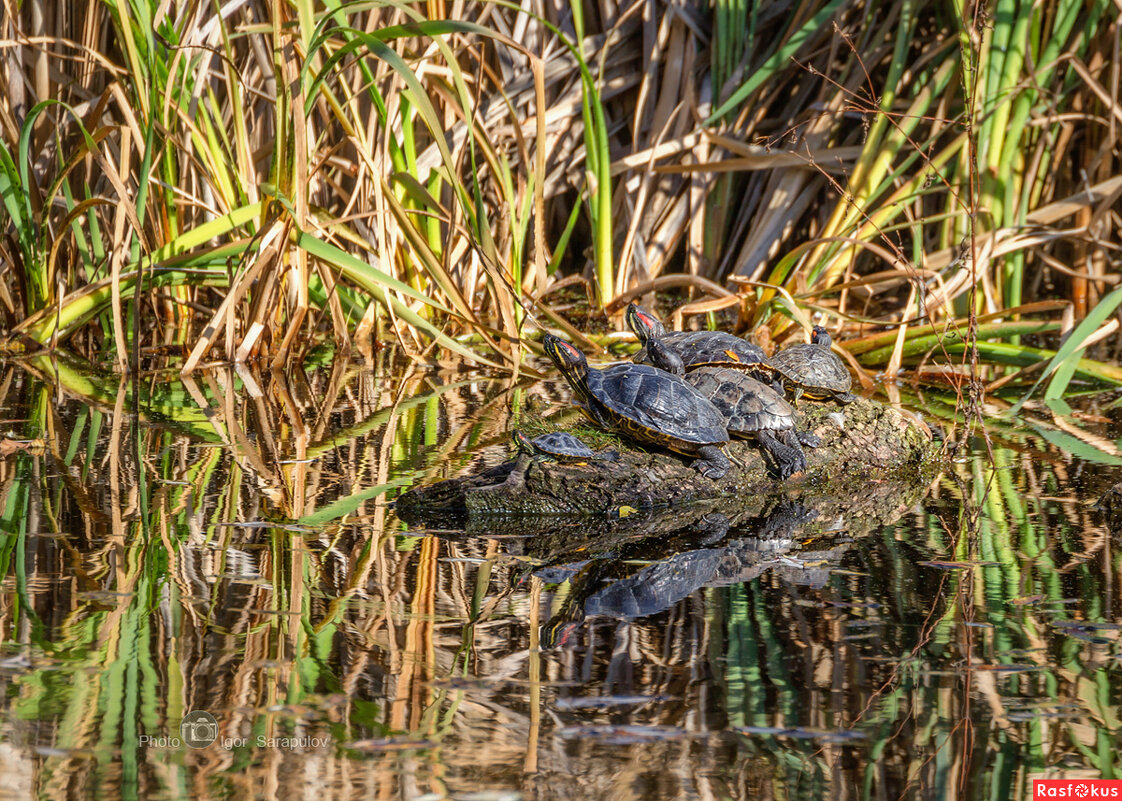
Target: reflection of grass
x=352, y=630
x=1006, y=617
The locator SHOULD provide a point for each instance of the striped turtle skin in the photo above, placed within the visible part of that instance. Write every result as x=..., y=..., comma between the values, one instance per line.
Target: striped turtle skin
x=681, y=351
x=647, y=404
x=814, y=371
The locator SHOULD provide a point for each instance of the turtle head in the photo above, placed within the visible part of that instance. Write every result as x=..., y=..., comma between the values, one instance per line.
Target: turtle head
x=522, y=442
x=820, y=336
x=643, y=324
x=569, y=361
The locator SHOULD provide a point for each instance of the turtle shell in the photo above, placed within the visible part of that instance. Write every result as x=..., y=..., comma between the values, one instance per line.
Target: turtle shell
x=815, y=369
x=654, y=406
x=562, y=443
x=699, y=348
x=748, y=405
x=562, y=446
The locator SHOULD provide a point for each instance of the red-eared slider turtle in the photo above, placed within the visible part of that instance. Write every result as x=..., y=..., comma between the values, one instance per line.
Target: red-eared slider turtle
x=561, y=446
x=681, y=351
x=647, y=404
x=752, y=409
x=813, y=370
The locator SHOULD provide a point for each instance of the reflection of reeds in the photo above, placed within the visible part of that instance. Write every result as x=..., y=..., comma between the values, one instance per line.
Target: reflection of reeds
x=152, y=567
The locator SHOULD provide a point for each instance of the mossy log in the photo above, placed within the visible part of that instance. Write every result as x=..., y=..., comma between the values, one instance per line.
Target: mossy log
x=861, y=442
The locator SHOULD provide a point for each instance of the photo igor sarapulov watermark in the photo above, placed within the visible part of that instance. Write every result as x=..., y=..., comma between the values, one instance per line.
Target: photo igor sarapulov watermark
x=199, y=729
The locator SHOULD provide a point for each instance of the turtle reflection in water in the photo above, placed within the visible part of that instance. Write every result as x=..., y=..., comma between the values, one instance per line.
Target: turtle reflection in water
x=647, y=404
x=613, y=588
x=561, y=446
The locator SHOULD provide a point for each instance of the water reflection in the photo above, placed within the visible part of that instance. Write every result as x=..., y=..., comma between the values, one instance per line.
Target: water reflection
x=227, y=545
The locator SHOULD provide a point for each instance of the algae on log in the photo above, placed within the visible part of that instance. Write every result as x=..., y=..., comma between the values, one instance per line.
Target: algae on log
x=868, y=440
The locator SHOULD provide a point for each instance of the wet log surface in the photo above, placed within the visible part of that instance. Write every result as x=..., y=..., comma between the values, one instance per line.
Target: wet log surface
x=872, y=459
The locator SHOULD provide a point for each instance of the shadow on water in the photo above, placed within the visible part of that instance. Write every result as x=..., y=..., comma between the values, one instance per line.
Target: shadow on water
x=228, y=545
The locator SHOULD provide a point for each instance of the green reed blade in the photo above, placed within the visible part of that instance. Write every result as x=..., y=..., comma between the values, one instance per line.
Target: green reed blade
x=778, y=61
x=1067, y=360
x=345, y=506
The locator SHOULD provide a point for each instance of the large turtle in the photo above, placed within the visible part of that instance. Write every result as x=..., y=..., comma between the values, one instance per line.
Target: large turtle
x=757, y=411
x=813, y=370
x=681, y=351
x=647, y=404
x=560, y=446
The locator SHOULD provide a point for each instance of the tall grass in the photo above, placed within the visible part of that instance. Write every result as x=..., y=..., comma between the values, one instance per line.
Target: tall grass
x=243, y=185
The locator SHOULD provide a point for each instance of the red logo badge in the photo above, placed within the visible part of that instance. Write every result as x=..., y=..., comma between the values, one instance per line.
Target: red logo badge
x=1077, y=789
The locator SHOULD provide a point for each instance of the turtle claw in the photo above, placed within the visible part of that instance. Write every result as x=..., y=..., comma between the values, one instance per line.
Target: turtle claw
x=708, y=470
x=784, y=451
x=808, y=439
x=712, y=462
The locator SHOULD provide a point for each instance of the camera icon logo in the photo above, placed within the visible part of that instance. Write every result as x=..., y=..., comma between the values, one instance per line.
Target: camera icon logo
x=198, y=729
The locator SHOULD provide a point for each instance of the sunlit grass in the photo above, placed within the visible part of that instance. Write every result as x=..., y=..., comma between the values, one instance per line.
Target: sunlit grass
x=248, y=185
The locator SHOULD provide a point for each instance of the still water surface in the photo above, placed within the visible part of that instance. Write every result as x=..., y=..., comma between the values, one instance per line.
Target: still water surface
x=228, y=545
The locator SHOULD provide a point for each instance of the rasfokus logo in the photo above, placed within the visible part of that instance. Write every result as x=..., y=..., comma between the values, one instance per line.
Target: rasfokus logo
x=1077, y=788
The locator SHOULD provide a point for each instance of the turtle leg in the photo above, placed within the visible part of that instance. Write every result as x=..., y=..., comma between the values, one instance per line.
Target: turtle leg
x=711, y=462
x=714, y=526
x=661, y=356
x=808, y=439
x=796, y=393
x=844, y=397
x=791, y=439
x=593, y=413
x=784, y=450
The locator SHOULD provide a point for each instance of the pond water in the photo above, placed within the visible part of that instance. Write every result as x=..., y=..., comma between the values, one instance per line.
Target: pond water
x=227, y=545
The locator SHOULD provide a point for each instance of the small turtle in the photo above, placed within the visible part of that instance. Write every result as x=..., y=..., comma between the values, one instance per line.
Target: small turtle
x=755, y=410
x=647, y=404
x=813, y=370
x=679, y=352
x=560, y=446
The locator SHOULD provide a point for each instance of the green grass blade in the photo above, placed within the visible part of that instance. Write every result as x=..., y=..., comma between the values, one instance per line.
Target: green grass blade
x=1067, y=359
x=773, y=65
x=344, y=506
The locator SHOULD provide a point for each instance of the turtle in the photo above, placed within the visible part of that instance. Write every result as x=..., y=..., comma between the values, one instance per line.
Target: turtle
x=560, y=446
x=647, y=404
x=813, y=370
x=681, y=351
x=755, y=410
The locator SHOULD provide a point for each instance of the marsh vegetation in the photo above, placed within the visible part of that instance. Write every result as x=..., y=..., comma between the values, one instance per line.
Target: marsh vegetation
x=263, y=266
x=935, y=180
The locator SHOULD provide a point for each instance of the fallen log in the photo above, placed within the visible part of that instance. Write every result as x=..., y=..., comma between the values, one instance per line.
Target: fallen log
x=861, y=442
